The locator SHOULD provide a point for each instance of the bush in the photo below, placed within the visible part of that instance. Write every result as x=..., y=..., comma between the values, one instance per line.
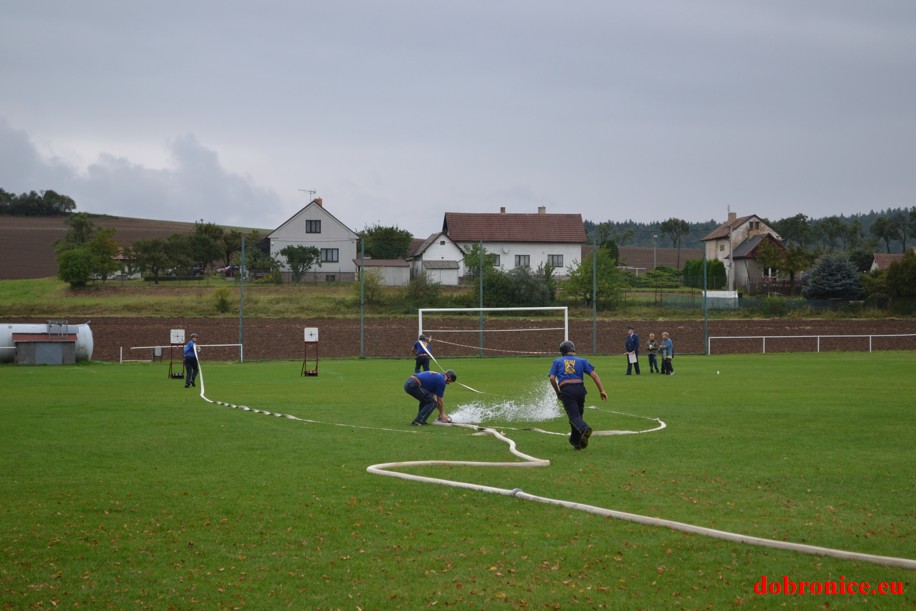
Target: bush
x=221, y=300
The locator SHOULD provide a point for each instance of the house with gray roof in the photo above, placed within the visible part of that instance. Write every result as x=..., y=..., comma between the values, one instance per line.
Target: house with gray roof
x=439, y=258
x=520, y=239
x=736, y=243
x=315, y=226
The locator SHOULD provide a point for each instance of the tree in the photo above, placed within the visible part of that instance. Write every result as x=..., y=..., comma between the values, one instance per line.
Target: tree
x=232, y=245
x=885, y=229
x=901, y=283
x=80, y=232
x=833, y=277
x=716, y=276
x=74, y=266
x=830, y=230
x=46, y=203
x=794, y=230
x=797, y=260
x=386, y=242
x=104, y=249
x=206, y=244
x=300, y=259
x=151, y=256
x=676, y=229
x=578, y=283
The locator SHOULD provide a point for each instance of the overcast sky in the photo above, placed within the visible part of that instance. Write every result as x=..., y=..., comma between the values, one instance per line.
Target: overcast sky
x=397, y=111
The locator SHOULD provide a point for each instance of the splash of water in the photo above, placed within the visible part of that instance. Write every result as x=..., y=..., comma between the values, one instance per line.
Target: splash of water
x=537, y=405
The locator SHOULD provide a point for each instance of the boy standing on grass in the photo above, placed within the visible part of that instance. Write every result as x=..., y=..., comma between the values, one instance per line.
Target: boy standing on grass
x=667, y=349
x=567, y=376
x=652, y=349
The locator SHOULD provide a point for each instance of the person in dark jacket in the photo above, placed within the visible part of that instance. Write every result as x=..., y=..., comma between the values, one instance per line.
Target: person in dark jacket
x=632, y=348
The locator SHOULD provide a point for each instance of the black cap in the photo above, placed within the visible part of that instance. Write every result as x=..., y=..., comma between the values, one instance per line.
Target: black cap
x=451, y=375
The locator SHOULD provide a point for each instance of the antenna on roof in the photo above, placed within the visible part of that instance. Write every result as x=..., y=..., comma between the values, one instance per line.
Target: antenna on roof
x=311, y=193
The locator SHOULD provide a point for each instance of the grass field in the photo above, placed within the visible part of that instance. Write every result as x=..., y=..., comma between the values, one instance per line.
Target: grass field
x=121, y=489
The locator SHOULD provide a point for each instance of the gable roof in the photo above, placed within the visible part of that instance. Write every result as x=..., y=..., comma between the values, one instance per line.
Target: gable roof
x=317, y=203
x=421, y=248
x=504, y=227
x=748, y=248
x=882, y=261
x=722, y=230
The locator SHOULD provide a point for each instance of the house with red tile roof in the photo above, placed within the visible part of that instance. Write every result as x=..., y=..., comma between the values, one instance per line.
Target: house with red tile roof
x=736, y=242
x=520, y=239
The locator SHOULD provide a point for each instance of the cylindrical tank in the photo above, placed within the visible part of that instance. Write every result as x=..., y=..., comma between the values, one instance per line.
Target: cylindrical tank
x=83, y=333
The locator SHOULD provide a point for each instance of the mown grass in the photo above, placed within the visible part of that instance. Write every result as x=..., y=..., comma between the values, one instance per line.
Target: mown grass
x=122, y=489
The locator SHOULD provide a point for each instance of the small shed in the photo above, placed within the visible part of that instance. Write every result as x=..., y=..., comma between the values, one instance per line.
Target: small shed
x=45, y=348
x=393, y=272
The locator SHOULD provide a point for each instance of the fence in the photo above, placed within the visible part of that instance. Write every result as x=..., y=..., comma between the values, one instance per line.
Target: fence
x=798, y=342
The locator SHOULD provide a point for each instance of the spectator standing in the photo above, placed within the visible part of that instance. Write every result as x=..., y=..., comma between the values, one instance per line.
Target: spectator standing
x=652, y=349
x=632, y=349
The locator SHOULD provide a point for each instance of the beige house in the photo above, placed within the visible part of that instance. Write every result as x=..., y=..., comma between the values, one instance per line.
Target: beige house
x=736, y=243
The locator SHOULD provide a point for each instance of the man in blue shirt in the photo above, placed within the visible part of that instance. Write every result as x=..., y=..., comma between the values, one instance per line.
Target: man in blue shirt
x=421, y=352
x=191, y=367
x=428, y=387
x=567, y=376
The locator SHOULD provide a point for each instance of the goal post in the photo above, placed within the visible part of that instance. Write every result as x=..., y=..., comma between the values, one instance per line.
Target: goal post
x=428, y=317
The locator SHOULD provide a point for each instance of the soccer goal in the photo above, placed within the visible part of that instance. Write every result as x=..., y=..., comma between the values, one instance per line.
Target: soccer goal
x=494, y=331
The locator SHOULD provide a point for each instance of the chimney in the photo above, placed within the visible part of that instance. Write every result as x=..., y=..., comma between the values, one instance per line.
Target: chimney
x=732, y=217
x=318, y=201
x=542, y=209
x=502, y=209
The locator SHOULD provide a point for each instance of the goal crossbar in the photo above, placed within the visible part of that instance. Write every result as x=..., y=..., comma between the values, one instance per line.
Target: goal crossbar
x=560, y=309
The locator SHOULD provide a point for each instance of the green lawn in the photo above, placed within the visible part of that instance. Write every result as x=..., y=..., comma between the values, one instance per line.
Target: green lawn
x=120, y=488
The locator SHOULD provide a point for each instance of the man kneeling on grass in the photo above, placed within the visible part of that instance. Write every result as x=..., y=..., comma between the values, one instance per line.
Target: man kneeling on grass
x=428, y=387
x=567, y=376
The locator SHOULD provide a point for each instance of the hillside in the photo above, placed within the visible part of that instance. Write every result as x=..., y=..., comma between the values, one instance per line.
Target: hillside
x=27, y=242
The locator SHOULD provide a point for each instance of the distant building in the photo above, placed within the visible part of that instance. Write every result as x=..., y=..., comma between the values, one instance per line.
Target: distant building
x=520, y=240
x=439, y=258
x=315, y=226
x=736, y=243
x=881, y=262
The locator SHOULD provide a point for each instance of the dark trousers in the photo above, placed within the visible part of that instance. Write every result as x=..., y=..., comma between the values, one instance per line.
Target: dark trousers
x=421, y=363
x=427, y=399
x=191, y=370
x=632, y=366
x=667, y=366
x=573, y=399
x=653, y=363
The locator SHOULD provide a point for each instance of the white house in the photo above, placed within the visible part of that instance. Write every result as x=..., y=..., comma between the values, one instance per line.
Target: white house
x=440, y=259
x=520, y=240
x=315, y=226
x=735, y=243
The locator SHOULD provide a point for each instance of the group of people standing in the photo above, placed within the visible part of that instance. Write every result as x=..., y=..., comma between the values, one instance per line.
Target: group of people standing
x=665, y=349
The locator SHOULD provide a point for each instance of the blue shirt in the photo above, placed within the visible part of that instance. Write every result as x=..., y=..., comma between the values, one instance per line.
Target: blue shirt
x=667, y=348
x=432, y=381
x=189, y=350
x=421, y=348
x=571, y=368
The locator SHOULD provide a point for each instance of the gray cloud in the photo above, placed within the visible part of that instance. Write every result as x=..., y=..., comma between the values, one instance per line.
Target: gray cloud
x=397, y=112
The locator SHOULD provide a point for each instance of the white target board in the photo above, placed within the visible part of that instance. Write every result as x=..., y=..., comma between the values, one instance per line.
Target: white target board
x=177, y=336
x=311, y=334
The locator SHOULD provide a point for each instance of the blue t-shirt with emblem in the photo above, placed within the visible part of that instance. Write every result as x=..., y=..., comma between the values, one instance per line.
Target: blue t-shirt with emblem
x=571, y=368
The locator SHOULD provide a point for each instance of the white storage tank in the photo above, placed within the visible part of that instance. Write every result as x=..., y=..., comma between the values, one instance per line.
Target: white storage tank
x=84, y=344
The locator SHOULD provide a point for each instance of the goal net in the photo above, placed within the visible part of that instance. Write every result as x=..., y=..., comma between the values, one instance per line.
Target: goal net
x=494, y=331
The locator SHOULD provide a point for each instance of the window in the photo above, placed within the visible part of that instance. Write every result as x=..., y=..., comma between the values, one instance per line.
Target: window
x=313, y=226
x=721, y=247
x=330, y=255
x=522, y=261
x=330, y=278
x=441, y=242
x=493, y=259
x=555, y=261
